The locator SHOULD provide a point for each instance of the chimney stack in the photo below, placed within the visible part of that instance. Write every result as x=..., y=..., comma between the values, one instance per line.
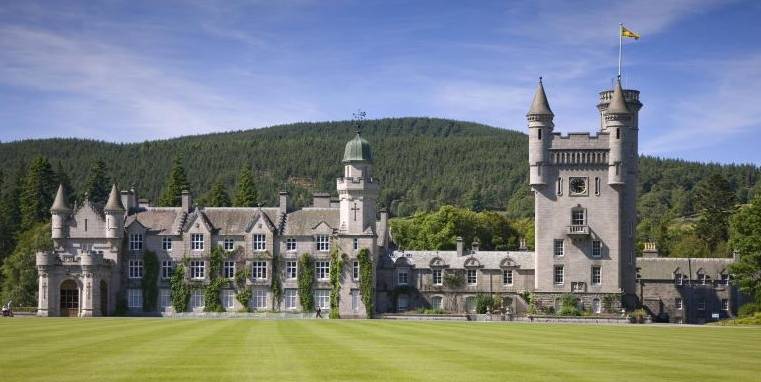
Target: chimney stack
x=650, y=250
x=284, y=200
x=460, y=247
x=321, y=200
x=187, y=201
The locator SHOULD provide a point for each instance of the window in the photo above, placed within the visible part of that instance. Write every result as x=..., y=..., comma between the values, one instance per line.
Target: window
x=166, y=269
x=402, y=277
x=290, y=297
x=260, y=242
x=196, y=242
x=702, y=278
x=355, y=270
x=678, y=279
x=136, y=269
x=577, y=217
x=558, y=248
x=436, y=275
x=596, y=275
x=228, y=245
x=402, y=302
x=197, y=269
x=559, y=275
x=322, y=298
x=228, y=298
x=228, y=269
x=596, y=307
x=322, y=269
x=618, y=133
x=166, y=243
x=290, y=270
x=507, y=276
x=724, y=279
x=165, y=299
x=678, y=303
x=259, y=270
x=134, y=298
x=725, y=304
x=596, y=248
x=260, y=299
x=539, y=134
x=290, y=244
x=597, y=186
x=436, y=302
x=472, y=277
x=323, y=243
x=355, y=244
x=136, y=242
x=355, y=300
x=196, y=299
x=559, y=186
x=701, y=304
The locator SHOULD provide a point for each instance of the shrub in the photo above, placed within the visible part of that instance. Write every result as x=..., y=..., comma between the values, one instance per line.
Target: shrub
x=569, y=311
x=486, y=302
x=748, y=309
x=366, y=281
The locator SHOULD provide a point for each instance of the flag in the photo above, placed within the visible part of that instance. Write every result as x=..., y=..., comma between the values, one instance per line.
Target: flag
x=627, y=33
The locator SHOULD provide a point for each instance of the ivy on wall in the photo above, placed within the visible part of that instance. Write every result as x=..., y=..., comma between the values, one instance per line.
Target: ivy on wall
x=211, y=298
x=366, y=282
x=306, y=280
x=335, y=273
x=180, y=289
x=243, y=292
x=277, y=284
x=149, y=281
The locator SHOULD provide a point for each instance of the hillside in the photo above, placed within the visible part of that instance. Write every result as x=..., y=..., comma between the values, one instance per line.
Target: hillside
x=421, y=162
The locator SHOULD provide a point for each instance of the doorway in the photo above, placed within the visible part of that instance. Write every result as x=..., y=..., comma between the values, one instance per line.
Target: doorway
x=69, y=299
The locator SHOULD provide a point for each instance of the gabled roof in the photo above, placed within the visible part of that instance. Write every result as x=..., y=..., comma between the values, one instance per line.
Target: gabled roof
x=664, y=268
x=304, y=221
x=163, y=220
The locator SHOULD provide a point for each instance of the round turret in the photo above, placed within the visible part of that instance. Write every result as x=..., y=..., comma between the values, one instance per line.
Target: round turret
x=114, y=212
x=357, y=150
x=59, y=213
x=540, y=127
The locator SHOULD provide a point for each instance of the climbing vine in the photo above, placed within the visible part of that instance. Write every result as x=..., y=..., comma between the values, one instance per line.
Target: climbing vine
x=305, y=280
x=366, y=282
x=211, y=299
x=277, y=285
x=335, y=271
x=180, y=289
x=149, y=281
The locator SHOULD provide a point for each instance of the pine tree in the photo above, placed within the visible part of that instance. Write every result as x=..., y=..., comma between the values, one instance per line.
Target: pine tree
x=98, y=184
x=715, y=201
x=246, y=195
x=62, y=178
x=218, y=196
x=19, y=272
x=175, y=184
x=10, y=215
x=38, y=193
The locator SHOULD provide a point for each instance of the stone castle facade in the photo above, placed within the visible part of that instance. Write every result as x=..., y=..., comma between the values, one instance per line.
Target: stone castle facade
x=585, y=189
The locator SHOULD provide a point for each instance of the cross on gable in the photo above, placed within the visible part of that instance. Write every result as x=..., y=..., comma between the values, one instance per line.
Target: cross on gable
x=355, y=209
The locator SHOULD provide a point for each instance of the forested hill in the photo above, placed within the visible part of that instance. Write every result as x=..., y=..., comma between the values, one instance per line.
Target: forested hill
x=421, y=162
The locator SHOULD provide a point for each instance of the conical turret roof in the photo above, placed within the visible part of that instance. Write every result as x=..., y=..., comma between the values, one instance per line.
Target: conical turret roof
x=114, y=201
x=617, y=101
x=59, y=204
x=540, y=106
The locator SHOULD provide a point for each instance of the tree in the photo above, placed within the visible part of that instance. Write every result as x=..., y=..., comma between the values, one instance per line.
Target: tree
x=246, y=195
x=218, y=197
x=37, y=193
x=715, y=202
x=10, y=215
x=19, y=270
x=746, y=240
x=98, y=184
x=175, y=184
x=62, y=178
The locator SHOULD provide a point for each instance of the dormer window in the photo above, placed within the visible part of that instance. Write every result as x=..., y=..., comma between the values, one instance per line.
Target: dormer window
x=678, y=279
x=702, y=278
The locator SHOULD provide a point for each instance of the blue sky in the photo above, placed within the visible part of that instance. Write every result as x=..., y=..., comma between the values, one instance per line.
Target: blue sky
x=134, y=70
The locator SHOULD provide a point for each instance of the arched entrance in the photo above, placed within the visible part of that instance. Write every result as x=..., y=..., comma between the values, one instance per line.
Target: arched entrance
x=69, y=299
x=103, y=298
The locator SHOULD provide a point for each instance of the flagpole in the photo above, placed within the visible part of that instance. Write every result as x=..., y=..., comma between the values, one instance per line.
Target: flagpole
x=620, y=43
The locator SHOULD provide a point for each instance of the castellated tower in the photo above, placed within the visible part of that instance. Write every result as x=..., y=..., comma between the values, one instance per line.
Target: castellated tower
x=585, y=200
x=357, y=190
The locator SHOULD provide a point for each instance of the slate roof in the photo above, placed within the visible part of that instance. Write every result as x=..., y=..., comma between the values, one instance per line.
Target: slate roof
x=238, y=220
x=487, y=259
x=303, y=221
x=663, y=268
x=540, y=105
x=163, y=220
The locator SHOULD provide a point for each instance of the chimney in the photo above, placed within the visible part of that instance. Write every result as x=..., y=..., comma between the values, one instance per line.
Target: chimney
x=321, y=200
x=143, y=203
x=474, y=246
x=129, y=199
x=284, y=207
x=460, y=247
x=187, y=201
x=650, y=250
x=522, y=244
x=383, y=218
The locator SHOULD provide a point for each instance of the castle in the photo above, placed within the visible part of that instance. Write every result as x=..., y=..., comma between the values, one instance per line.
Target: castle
x=585, y=189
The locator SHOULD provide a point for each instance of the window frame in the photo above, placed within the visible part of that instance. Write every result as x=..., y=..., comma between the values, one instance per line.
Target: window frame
x=135, y=269
x=167, y=269
x=596, y=276
x=402, y=277
x=228, y=269
x=322, y=270
x=355, y=270
x=561, y=275
x=135, y=242
x=259, y=242
x=197, y=269
x=678, y=303
x=596, y=248
x=259, y=270
x=134, y=298
x=197, y=242
x=507, y=277
x=290, y=244
x=575, y=219
x=228, y=244
x=437, y=274
x=322, y=243
x=166, y=244
x=558, y=251
x=291, y=269
x=471, y=273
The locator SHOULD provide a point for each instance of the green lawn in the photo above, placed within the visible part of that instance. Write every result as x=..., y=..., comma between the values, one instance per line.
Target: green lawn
x=210, y=350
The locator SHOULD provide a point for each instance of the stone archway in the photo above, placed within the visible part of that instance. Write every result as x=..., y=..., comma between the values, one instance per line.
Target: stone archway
x=103, y=298
x=69, y=303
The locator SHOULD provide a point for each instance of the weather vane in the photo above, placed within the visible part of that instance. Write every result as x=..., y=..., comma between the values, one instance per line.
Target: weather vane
x=359, y=116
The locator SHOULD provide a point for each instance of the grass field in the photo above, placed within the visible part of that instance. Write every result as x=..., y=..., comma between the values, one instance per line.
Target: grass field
x=226, y=350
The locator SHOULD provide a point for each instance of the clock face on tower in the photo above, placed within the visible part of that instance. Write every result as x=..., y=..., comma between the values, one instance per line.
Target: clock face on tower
x=578, y=186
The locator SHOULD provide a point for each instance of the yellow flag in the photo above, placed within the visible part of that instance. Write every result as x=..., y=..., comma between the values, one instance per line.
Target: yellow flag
x=627, y=33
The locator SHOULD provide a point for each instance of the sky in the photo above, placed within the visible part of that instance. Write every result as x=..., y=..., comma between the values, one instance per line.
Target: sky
x=129, y=71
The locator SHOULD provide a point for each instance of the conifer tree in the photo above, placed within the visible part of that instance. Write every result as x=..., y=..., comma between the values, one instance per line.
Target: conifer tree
x=715, y=201
x=37, y=193
x=175, y=184
x=98, y=184
x=246, y=195
x=218, y=196
x=62, y=178
x=10, y=215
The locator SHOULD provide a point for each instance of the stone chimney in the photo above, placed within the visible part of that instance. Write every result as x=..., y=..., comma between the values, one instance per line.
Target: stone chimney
x=460, y=247
x=650, y=250
x=321, y=200
x=187, y=201
x=522, y=244
x=129, y=199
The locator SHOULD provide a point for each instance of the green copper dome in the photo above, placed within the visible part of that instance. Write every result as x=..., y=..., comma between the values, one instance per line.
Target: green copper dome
x=357, y=150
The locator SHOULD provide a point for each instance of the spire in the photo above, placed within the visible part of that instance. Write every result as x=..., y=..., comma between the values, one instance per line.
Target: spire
x=540, y=106
x=617, y=102
x=114, y=201
x=59, y=204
